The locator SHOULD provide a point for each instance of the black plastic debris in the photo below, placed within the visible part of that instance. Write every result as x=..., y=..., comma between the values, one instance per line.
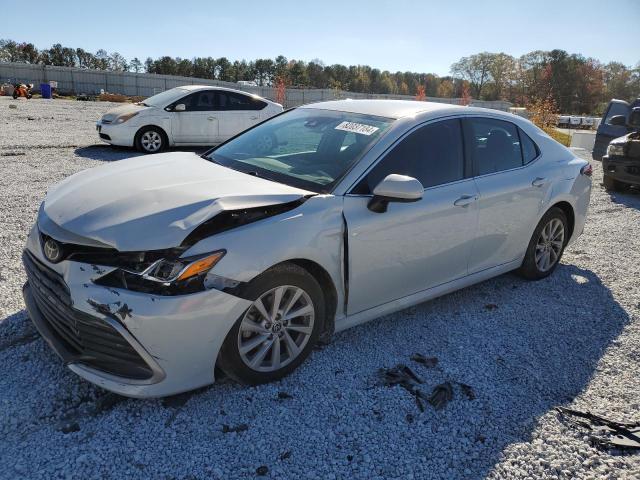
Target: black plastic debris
x=405, y=377
x=490, y=306
x=429, y=362
x=467, y=391
x=604, y=433
x=262, y=470
x=441, y=395
x=284, y=396
x=243, y=427
x=70, y=428
x=285, y=455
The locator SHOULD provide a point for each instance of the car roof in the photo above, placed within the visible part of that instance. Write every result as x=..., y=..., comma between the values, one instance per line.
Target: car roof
x=193, y=88
x=383, y=108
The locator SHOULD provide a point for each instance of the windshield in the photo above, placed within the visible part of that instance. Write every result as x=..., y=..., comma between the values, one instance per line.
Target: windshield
x=164, y=98
x=305, y=148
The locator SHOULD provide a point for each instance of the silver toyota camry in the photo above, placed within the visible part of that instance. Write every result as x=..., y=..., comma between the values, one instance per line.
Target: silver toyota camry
x=146, y=274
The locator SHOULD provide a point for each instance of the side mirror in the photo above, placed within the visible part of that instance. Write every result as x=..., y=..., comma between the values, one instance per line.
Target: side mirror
x=179, y=107
x=620, y=120
x=395, y=188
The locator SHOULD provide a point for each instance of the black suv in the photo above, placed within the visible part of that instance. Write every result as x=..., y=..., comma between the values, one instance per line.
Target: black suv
x=608, y=131
x=621, y=164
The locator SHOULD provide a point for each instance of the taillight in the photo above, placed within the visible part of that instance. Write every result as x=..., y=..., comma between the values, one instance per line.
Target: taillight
x=587, y=170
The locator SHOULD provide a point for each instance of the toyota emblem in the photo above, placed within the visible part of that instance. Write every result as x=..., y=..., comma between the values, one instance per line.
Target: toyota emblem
x=52, y=250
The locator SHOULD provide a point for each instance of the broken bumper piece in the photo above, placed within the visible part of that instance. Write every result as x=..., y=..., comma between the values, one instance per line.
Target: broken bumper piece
x=134, y=344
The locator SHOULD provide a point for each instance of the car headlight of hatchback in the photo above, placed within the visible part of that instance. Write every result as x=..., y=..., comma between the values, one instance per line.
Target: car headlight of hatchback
x=615, y=150
x=124, y=118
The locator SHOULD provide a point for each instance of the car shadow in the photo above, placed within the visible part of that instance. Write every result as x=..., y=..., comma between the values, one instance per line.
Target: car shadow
x=110, y=153
x=508, y=339
x=629, y=198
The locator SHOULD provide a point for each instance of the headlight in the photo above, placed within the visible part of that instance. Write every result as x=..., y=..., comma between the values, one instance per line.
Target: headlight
x=616, y=150
x=124, y=118
x=171, y=271
x=165, y=276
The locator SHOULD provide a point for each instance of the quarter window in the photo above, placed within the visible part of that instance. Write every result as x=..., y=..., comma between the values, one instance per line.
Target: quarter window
x=529, y=149
x=494, y=145
x=433, y=154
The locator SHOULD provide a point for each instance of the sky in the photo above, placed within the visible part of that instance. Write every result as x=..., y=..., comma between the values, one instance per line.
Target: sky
x=420, y=36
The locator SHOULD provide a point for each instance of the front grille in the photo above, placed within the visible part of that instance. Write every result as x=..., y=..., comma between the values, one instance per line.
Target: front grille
x=88, y=339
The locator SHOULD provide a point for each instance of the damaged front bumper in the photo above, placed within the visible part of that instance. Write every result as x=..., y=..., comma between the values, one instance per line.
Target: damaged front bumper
x=132, y=343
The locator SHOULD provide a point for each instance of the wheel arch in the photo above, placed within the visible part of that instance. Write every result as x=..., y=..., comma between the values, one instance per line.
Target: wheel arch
x=322, y=276
x=163, y=132
x=567, y=208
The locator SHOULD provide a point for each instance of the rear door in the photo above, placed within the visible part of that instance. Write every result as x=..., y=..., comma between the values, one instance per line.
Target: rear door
x=236, y=112
x=412, y=246
x=511, y=188
x=198, y=124
x=607, y=132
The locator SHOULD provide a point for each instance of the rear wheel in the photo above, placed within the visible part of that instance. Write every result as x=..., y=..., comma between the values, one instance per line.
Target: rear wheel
x=546, y=245
x=151, y=140
x=277, y=332
x=612, y=184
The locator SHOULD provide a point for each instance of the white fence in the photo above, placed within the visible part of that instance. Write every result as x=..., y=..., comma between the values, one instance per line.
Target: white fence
x=78, y=80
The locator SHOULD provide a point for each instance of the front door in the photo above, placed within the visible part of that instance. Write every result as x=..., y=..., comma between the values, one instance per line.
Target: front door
x=412, y=246
x=198, y=123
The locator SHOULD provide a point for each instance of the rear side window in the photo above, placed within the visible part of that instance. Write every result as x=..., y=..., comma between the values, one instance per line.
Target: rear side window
x=494, y=145
x=529, y=149
x=433, y=154
x=237, y=101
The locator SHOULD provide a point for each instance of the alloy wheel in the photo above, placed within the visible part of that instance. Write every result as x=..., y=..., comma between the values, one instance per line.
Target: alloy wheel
x=151, y=141
x=549, y=245
x=276, y=328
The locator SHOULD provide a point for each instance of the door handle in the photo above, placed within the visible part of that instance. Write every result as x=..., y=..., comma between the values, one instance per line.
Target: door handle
x=211, y=118
x=253, y=118
x=464, y=200
x=539, y=182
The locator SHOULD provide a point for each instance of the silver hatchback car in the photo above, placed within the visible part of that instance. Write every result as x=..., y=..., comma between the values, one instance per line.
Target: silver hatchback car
x=146, y=274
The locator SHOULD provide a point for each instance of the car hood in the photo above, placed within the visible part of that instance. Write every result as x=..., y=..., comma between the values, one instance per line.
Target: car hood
x=114, y=113
x=151, y=202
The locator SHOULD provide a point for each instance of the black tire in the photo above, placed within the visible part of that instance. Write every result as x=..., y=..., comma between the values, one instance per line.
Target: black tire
x=144, y=136
x=613, y=185
x=15, y=96
x=530, y=269
x=230, y=359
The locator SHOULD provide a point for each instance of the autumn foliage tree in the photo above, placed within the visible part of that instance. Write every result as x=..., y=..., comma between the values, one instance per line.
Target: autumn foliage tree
x=281, y=90
x=421, y=96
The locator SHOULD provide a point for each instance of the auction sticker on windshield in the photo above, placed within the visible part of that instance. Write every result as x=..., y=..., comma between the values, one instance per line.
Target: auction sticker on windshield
x=354, y=127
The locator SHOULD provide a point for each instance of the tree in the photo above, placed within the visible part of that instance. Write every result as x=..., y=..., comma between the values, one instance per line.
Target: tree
x=118, y=63
x=476, y=70
x=420, y=95
x=445, y=89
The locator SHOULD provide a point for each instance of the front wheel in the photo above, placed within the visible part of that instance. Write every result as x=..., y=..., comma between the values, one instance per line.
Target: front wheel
x=546, y=245
x=151, y=140
x=277, y=332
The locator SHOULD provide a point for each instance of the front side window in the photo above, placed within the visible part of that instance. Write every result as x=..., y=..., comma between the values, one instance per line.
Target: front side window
x=616, y=108
x=306, y=148
x=494, y=145
x=202, y=101
x=433, y=154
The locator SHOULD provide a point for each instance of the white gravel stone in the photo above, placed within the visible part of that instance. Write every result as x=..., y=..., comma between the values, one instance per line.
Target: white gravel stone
x=571, y=339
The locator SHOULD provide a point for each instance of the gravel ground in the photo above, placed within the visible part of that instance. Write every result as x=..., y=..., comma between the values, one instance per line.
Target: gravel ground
x=524, y=348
